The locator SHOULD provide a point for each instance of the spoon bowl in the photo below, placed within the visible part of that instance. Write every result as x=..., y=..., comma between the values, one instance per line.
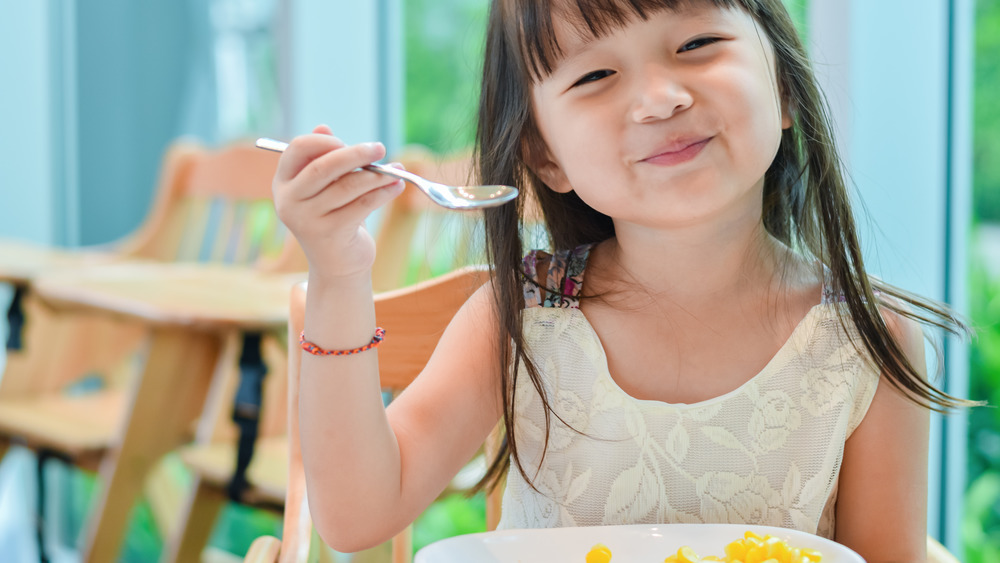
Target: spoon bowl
x=463, y=198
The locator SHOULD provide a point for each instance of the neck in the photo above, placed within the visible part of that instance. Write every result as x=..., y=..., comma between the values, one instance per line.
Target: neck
x=693, y=264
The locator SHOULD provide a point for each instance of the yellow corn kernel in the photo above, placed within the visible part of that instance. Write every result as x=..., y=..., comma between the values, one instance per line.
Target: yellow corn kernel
x=812, y=555
x=687, y=555
x=777, y=549
x=712, y=558
x=736, y=550
x=750, y=535
x=599, y=554
x=671, y=559
x=756, y=554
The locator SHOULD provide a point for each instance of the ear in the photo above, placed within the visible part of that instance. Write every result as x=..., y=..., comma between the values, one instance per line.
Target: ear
x=787, y=113
x=540, y=161
x=553, y=176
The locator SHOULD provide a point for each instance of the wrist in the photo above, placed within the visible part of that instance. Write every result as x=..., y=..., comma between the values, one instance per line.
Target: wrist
x=340, y=283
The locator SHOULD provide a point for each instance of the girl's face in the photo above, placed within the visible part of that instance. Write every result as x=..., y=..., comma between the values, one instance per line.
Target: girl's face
x=666, y=122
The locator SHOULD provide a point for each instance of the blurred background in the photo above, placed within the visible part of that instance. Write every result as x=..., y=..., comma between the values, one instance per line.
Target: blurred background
x=95, y=90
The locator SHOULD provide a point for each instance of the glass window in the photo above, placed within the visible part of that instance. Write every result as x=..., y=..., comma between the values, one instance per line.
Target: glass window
x=444, y=46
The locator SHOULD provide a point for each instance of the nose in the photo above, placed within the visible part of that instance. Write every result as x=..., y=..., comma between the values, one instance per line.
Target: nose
x=659, y=94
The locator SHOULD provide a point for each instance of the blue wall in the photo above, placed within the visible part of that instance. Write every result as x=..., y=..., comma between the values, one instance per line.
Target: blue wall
x=132, y=60
x=102, y=89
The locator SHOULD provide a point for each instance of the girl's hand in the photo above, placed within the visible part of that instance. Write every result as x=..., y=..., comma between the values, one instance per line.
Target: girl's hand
x=323, y=200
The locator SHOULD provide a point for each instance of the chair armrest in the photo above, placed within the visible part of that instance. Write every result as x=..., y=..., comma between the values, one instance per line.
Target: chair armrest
x=264, y=549
x=937, y=553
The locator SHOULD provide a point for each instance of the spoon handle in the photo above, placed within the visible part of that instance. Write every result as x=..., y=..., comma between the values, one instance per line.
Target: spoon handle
x=271, y=144
x=397, y=173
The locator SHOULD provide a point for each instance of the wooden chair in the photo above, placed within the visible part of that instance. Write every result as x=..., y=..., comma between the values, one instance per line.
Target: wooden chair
x=406, y=237
x=64, y=391
x=937, y=553
x=418, y=315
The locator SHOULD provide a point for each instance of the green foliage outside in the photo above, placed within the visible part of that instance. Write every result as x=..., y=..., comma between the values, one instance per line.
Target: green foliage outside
x=986, y=121
x=236, y=527
x=981, y=522
x=451, y=516
x=444, y=50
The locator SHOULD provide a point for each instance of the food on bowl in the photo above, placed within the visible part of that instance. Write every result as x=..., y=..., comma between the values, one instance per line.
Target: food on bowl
x=599, y=554
x=752, y=548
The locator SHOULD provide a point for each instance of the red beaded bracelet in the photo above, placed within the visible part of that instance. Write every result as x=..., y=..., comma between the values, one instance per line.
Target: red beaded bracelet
x=317, y=351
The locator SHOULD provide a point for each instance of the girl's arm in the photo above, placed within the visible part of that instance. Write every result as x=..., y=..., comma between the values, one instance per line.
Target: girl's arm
x=372, y=471
x=882, y=498
x=369, y=474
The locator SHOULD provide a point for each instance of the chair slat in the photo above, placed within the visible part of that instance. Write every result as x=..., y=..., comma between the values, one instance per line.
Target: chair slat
x=212, y=229
x=232, y=238
x=259, y=223
x=238, y=244
x=194, y=230
x=223, y=233
x=170, y=238
x=274, y=231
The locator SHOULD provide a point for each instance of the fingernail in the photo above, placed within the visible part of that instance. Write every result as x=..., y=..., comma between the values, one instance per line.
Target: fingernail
x=375, y=148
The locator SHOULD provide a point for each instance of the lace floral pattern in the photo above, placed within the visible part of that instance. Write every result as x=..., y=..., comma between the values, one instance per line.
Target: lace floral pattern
x=767, y=453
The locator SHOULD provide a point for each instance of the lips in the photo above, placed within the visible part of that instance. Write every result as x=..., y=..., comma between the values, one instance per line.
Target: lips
x=678, y=151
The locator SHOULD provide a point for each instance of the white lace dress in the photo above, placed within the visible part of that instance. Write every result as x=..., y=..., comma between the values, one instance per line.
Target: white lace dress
x=767, y=453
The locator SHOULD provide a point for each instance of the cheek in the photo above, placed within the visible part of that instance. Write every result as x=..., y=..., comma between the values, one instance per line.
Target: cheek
x=759, y=122
x=576, y=141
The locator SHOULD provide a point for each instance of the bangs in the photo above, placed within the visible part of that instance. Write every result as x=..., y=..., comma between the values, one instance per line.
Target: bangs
x=533, y=31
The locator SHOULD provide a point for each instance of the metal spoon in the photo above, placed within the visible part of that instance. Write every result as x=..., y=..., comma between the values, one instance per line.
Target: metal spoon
x=451, y=197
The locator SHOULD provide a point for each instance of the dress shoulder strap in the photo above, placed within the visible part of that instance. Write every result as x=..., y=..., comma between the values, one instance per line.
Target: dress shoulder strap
x=831, y=296
x=560, y=285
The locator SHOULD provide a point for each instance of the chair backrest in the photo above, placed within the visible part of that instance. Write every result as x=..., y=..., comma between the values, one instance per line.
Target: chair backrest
x=418, y=316
x=216, y=206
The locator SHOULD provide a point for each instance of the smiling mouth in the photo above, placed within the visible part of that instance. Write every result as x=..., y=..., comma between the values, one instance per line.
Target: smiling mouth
x=678, y=156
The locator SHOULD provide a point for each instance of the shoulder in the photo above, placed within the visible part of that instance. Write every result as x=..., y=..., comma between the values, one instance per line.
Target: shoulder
x=908, y=333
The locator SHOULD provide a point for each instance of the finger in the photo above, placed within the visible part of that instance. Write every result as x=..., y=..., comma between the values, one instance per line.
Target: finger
x=333, y=166
x=322, y=129
x=301, y=151
x=352, y=186
x=361, y=207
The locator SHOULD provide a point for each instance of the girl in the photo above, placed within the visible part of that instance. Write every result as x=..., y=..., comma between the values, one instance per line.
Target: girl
x=703, y=345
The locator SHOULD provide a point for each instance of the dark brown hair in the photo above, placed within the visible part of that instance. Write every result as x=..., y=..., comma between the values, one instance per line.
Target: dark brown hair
x=806, y=204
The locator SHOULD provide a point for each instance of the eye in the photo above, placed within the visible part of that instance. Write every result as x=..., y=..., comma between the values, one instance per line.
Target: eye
x=593, y=77
x=696, y=43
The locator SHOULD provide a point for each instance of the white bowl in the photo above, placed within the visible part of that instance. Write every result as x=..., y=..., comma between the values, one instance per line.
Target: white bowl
x=639, y=543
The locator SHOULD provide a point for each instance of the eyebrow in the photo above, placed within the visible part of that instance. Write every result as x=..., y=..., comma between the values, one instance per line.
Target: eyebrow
x=583, y=39
x=567, y=55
